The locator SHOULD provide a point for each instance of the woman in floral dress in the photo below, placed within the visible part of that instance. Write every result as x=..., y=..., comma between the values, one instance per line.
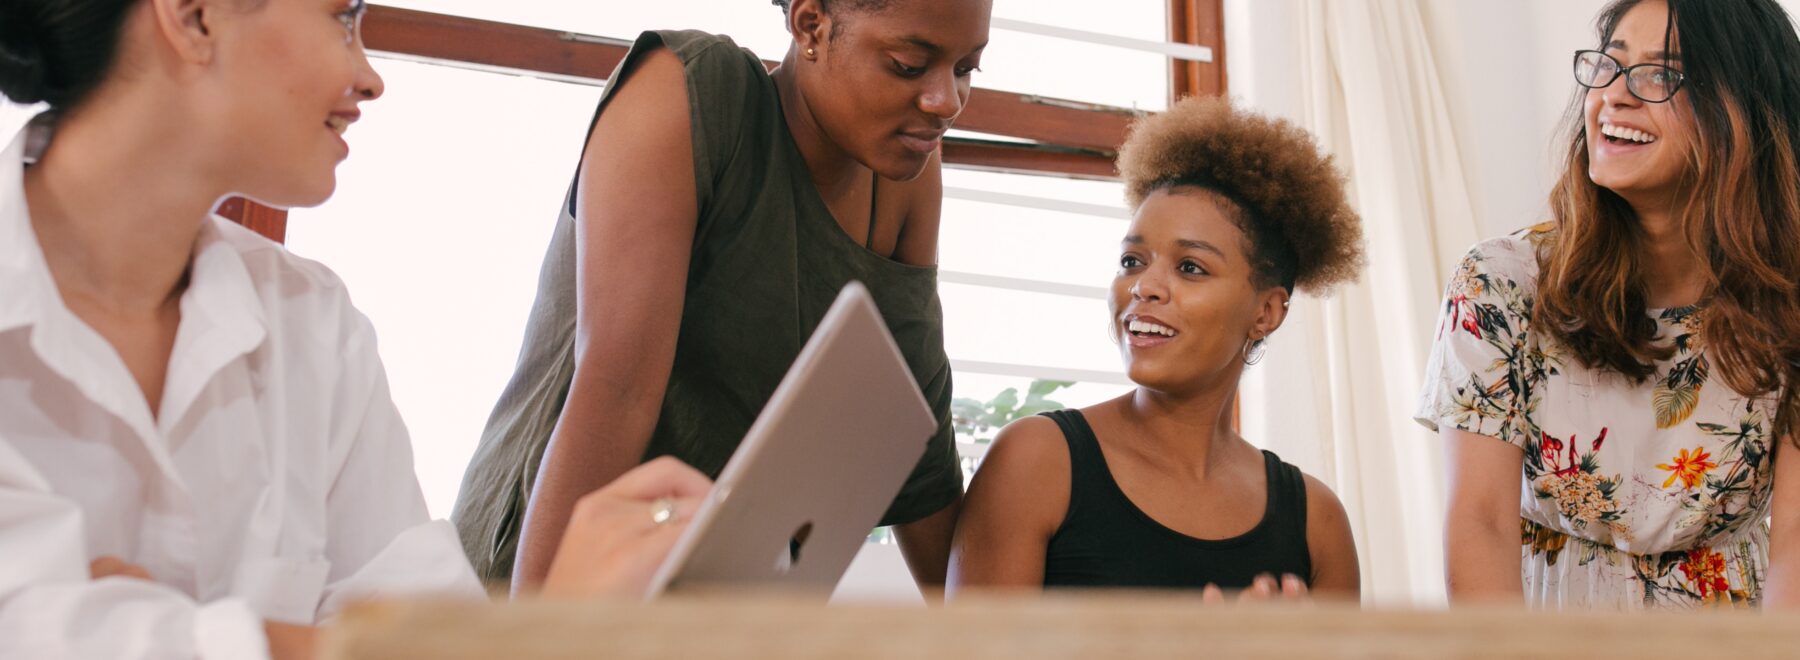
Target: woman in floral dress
x=1631, y=353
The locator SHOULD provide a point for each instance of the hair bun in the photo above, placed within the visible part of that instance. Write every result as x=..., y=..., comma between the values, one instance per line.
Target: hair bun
x=24, y=75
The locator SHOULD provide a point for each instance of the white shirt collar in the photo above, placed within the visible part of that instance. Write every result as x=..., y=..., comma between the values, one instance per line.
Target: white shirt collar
x=21, y=261
x=222, y=315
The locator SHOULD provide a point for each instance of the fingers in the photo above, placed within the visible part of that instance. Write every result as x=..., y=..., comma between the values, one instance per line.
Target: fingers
x=110, y=566
x=1292, y=587
x=602, y=563
x=1263, y=587
x=1266, y=587
x=663, y=477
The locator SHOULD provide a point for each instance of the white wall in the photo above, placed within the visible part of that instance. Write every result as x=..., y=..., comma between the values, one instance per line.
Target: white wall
x=1505, y=66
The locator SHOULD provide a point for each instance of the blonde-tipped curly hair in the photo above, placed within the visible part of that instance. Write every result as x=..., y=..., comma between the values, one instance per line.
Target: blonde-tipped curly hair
x=1290, y=199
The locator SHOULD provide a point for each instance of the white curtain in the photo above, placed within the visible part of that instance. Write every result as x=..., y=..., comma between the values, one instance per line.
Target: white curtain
x=1336, y=391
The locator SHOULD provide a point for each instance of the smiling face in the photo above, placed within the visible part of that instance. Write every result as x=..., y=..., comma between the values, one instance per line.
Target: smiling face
x=1637, y=149
x=285, y=82
x=885, y=84
x=1185, y=301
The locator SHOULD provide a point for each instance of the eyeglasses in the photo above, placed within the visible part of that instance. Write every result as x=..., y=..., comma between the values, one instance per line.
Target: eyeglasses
x=1652, y=83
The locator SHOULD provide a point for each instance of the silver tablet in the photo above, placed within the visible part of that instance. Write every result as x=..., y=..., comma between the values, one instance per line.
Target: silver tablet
x=821, y=464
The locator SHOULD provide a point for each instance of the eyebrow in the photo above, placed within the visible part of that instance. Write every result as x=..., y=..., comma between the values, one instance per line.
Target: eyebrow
x=1185, y=243
x=923, y=43
x=932, y=47
x=1619, y=44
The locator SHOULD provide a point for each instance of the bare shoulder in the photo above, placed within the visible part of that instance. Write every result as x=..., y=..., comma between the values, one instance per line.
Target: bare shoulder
x=1032, y=445
x=1025, y=476
x=653, y=83
x=1323, y=509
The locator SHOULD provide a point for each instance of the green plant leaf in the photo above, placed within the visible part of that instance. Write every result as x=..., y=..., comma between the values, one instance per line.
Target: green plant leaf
x=1042, y=388
x=1674, y=405
x=1001, y=408
x=1036, y=407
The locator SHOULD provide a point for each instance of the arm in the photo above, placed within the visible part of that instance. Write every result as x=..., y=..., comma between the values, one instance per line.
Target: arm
x=1015, y=504
x=1782, y=590
x=380, y=540
x=1336, y=573
x=50, y=608
x=1481, y=527
x=635, y=229
x=925, y=544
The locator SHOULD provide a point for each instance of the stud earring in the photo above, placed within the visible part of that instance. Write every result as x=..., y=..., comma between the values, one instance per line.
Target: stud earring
x=811, y=54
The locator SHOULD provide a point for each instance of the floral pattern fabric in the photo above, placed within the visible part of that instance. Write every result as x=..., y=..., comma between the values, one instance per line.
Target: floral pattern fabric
x=1635, y=495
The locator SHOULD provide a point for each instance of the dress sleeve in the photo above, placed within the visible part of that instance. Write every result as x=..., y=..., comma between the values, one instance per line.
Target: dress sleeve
x=1483, y=364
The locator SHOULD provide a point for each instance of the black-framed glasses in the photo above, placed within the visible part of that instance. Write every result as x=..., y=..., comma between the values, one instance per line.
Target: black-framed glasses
x=1650, y=82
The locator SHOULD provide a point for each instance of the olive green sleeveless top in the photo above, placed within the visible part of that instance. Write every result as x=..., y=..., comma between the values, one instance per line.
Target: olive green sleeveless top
x=768, y=260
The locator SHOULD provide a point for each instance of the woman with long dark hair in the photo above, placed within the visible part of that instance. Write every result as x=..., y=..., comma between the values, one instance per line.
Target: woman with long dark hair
x=1633, y=356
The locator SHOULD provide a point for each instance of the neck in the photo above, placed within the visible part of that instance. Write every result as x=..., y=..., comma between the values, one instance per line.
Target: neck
x=1674, y=275
x=833, y=171
x=1189, y=429
x=117, y=202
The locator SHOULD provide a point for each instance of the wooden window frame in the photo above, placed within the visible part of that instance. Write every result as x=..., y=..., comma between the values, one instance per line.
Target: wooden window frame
x=1039, y=135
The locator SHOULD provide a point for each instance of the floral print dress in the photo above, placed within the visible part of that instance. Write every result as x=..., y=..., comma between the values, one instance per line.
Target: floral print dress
x=1652, y=495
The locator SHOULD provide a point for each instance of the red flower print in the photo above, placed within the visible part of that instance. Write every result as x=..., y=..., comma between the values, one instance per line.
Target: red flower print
x=1550, y=447
x=1706, y=570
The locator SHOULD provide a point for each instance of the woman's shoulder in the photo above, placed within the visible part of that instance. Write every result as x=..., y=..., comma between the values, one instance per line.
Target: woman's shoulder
x=692, y=43
x=1503, y=264
x=706, y=54
x=297, y=298
x=1514, y=254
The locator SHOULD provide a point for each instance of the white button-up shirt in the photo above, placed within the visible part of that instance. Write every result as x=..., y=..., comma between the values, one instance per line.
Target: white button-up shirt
x=276, y=482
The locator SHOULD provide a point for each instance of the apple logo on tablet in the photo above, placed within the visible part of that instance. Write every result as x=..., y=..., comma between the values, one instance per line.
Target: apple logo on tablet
x=796, y=543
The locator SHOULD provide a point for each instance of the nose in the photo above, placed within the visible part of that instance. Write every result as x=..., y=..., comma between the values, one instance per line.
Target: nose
x=368, y=84
x=944, y=96
x=1618, y=93
x=1149, y=286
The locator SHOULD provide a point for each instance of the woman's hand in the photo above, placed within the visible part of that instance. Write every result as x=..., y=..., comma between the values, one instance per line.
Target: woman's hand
x=110, y=566
x=1265, y=588
x=620, y=534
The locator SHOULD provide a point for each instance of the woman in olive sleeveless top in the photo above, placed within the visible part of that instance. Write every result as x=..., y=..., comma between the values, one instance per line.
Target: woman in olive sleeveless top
x=718, y=210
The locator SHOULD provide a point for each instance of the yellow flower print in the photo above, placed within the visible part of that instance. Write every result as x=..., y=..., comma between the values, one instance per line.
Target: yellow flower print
x=1691, y=469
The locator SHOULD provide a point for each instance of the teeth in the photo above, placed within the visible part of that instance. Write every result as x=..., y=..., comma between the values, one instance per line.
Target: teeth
x=1149, y=328
x=1630, y=134
x=337, y=124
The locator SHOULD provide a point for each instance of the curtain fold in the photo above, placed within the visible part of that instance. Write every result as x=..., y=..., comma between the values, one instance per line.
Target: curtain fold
x=1336, y=391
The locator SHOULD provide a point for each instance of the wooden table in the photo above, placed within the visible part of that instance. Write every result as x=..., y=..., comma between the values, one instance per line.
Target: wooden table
x=1063, y=626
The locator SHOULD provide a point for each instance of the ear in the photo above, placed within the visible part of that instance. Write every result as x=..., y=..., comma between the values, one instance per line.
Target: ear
x=1271, y=312
x=809, y=24
x=184, y=27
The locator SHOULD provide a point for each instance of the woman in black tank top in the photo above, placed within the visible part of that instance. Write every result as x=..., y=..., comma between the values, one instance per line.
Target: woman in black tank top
x=1233, y=212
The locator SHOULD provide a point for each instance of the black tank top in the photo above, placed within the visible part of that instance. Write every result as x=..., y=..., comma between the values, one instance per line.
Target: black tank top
x=1106, y=541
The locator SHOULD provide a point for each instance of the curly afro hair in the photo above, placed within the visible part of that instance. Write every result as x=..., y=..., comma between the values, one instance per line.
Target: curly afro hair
x=1289, y=198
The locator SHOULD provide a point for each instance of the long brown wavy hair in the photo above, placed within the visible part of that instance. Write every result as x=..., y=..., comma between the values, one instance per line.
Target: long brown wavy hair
x=1741, y=59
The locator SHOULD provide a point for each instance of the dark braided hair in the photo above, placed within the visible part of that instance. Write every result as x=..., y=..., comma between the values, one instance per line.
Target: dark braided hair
x=57, y=51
